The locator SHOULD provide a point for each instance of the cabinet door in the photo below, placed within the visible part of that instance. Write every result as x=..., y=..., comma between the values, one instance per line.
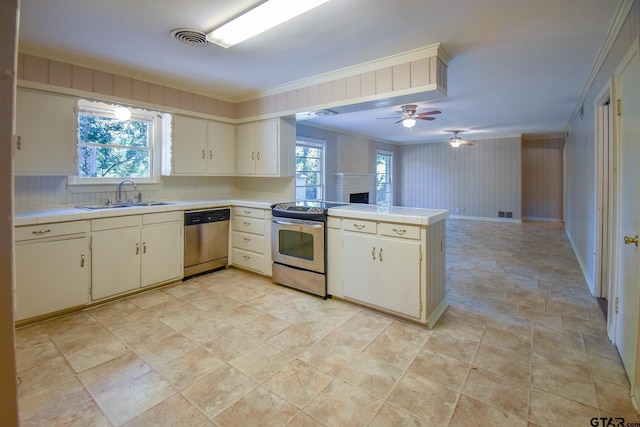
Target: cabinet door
x=222, y=148
x=161, y=253
x=51, y=276
x=45, y=126
x=267, y=147
x=399, y=276
x=360, y=278
x=189, y=146
x=246, y=149
x=115, y=262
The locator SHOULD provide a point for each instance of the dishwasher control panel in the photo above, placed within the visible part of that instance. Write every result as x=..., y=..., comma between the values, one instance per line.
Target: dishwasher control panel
x=206, y=216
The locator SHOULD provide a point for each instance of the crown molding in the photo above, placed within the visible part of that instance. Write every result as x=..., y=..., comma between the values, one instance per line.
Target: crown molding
x=95, y=64
x=365, y=67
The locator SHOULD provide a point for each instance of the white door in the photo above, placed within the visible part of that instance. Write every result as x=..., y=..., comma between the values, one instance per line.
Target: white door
x=627, y=80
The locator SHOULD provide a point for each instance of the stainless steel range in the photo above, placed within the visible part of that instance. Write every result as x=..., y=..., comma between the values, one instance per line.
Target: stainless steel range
x=298, y=245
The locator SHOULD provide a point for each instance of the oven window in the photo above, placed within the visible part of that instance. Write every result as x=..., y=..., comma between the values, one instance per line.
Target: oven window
x=295, y=244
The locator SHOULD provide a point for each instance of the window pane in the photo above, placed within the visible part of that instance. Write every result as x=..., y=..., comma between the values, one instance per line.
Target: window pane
x=309, y=173
x=98, y=162
x=109, y=131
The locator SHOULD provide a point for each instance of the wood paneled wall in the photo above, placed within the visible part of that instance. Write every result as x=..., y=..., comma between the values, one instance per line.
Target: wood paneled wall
x=542, y=178
x=476, y=181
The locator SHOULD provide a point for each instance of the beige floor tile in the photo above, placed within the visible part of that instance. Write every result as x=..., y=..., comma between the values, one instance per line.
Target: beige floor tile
x=239, y=315
x=444, y=370
x=298, y=382
x=389, y=415
x=574, y=361
x=424, y=399
x=393, y=349
x=164, y=349
x=471, y=412
x=85, y=353
x=302, y=419
x=446, y=345
x=372, y=375
x=220, y=389
x=511, y=342
x=110, y=374
x=49, y=371
x=259, y=407
x=498, y=391
x=265, y=326
x=114, y=310
x=151, y=299
x=607, y=369
x=34, y=355
x=51, y=400
x=231, y=345
x=564, y=383
x=174, y=411
x=546, y=409
x=463, y=328
x=294, y=339
x=341, y=404
x=261, y=362
x=198, y=326
x=330, y=355
x=86, y=414
x=503, y=362
x=210, y=301
x=614, y=398
x=186, y=369
x=182, y=289
x=126, y=400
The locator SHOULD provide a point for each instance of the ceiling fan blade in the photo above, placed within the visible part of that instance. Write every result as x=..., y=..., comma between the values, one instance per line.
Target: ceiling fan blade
x=466, y=143
x=401, y=120
x=429, y=113
x=423, y=118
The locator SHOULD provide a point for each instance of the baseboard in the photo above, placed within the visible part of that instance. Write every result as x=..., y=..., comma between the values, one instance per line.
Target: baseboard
x=486, y=218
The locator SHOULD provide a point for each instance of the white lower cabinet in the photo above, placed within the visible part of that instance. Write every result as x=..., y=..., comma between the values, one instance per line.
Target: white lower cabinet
x=135, y=251
x=52, y=268
x=250, y=242
x=382, y=271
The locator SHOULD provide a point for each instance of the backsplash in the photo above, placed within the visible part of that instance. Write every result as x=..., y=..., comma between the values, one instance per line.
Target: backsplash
x=37, y=192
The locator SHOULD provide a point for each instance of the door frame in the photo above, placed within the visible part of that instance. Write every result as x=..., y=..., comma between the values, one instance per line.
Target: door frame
x=604, y=167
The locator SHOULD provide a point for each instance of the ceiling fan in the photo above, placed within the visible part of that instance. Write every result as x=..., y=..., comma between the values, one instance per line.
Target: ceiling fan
x=456, y=141
x=409, y=115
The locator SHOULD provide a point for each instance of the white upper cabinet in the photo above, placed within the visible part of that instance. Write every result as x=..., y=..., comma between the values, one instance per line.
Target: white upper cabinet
x=201, y=147
x=266, y=148
x=45, y=142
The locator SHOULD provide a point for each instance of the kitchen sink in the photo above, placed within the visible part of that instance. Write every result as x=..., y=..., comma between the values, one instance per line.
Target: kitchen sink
x=122, y=205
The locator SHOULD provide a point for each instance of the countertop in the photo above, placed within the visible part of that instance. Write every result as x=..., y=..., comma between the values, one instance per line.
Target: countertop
x=399, y=214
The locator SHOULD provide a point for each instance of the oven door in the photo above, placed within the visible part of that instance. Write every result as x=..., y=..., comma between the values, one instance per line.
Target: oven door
x=298, y=243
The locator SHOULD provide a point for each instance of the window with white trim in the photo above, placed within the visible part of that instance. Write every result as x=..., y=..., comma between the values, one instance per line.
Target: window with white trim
x=309, y=169
x=110, y=149
x=384, y=173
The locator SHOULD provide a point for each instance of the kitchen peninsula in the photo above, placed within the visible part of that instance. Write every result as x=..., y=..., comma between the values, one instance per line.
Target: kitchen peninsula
x=395, y=255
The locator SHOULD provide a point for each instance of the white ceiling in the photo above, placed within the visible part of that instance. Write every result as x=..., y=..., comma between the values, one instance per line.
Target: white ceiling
x=517, y=66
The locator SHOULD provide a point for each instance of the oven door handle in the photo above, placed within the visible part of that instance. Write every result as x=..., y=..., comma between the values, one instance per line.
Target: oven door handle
x=293, y=222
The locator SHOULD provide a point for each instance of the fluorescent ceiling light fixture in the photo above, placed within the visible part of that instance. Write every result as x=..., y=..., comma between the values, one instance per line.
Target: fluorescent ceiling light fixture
x=259, y=19
x=409, y=123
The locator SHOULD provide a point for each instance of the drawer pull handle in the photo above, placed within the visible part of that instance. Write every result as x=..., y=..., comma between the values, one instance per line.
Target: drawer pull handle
x=246, y=239
x=358, y=226
x=246, y=212
x=246, y=223
x=373, y=253
x=82, y=260
x=253, y=155
x=246, y=257
x=258, y=155
x=400, y=231
x=41, y=232
x=210, y=154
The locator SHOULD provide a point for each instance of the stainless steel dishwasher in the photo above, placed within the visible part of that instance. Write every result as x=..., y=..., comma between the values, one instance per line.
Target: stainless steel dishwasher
x=206, y=240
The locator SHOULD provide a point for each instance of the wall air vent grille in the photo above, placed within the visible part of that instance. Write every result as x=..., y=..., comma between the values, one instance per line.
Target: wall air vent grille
x=190, y=37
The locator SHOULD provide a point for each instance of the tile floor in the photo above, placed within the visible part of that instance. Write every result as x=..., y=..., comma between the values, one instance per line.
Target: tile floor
x=522, y=343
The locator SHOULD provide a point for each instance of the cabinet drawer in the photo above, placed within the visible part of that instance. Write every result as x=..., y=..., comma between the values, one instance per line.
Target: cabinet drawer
x=359, y=226
x=115, y=222
x=248, y=242
x=249, y=225
x=250, y=212
x=158, y=217
x=31, y=232
x=400, y=230
x=249, y=260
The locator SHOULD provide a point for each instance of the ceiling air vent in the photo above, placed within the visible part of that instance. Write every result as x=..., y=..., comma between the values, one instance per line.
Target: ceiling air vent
x=190, y=37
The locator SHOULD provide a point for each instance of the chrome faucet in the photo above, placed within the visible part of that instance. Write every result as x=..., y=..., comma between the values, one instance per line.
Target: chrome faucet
x=120, y=188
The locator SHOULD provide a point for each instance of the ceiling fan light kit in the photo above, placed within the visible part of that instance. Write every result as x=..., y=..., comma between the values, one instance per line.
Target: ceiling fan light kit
x=409, y=123
x=409, y=116
x=456, y=141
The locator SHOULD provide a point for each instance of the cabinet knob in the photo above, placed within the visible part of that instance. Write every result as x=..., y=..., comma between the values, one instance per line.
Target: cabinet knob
x=210, y=154
x=82, y=260
x=258, y=155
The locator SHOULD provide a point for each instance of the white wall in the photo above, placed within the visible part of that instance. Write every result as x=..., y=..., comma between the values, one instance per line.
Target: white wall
x=580, y=154
x=476, y=181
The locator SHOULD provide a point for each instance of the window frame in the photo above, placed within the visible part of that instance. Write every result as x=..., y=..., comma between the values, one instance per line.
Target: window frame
x=388, y=173
x=157, y=134
x=322, y=145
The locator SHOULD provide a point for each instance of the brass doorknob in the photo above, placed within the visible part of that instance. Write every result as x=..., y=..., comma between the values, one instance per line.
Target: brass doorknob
x=631, y=240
